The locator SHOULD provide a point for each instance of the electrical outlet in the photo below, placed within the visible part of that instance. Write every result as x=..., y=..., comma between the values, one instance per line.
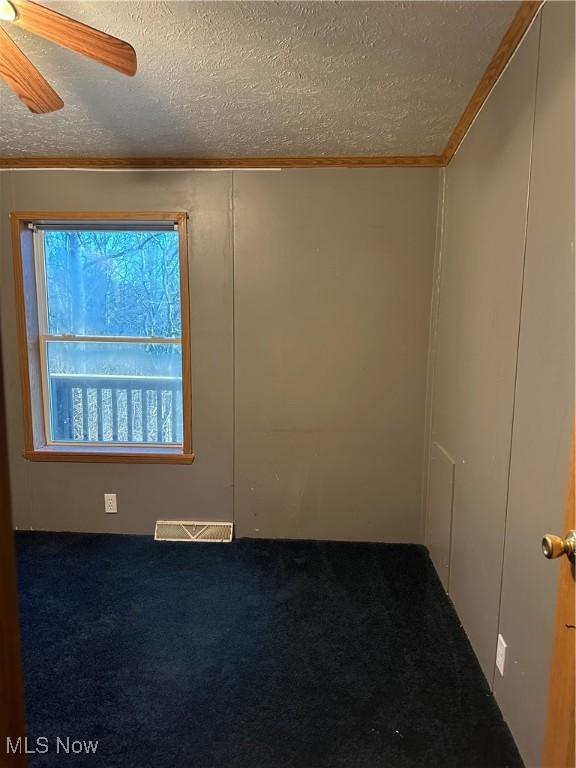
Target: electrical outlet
x=110, y=504
x=501, y=654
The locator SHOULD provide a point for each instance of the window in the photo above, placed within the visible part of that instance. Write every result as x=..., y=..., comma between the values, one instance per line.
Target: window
x=105, y=336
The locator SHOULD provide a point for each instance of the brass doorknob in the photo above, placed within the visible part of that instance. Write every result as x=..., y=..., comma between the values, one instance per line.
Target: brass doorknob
x=555, y=546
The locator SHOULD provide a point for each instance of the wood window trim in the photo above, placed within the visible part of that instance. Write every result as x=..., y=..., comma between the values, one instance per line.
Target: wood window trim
x=110, y=454
x=36, y=447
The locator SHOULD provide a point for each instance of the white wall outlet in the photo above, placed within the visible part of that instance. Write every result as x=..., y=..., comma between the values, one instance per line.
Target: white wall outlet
x=110, y=503
x=501, y=654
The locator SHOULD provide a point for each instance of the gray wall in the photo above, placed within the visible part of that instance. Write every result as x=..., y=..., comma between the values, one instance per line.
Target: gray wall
x=57, y=496
x=503, y=369
x=333, y=276
x=477, y=338
x=544, y=404
x=333, y=281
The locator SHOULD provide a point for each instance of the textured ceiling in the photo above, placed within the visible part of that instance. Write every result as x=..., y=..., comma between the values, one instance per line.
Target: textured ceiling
x=237, y=79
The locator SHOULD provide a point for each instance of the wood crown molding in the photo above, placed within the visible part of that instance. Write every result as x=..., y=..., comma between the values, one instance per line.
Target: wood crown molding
x=199, y=163
x=520, y=24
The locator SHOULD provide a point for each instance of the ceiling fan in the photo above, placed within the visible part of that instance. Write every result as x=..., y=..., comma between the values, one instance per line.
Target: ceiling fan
x=22, y=76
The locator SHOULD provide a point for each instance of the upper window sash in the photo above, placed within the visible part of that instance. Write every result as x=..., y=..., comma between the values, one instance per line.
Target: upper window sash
x=160, y=280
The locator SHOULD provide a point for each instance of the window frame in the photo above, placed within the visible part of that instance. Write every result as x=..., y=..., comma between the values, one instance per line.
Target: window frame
x=32, y=339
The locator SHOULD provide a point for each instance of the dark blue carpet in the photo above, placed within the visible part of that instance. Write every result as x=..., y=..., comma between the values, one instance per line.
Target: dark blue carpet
x=257, y=654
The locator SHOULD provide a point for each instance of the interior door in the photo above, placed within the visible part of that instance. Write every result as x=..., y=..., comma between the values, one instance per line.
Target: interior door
x=560, y=740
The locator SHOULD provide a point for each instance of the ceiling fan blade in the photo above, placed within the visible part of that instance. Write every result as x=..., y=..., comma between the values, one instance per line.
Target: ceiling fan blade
x=23, y=78
x=76, y=36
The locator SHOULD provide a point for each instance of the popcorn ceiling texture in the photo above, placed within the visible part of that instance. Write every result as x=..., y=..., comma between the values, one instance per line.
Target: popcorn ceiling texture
x=244, y=79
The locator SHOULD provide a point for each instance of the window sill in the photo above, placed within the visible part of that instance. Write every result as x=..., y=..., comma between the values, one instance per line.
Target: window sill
x=107, y=454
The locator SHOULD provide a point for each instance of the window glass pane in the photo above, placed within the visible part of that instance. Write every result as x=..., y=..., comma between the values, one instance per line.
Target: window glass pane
x=115, y=393
x=115, y=283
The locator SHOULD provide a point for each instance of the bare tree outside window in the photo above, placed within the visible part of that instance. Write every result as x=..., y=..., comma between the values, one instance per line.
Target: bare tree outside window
x=111, y=341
